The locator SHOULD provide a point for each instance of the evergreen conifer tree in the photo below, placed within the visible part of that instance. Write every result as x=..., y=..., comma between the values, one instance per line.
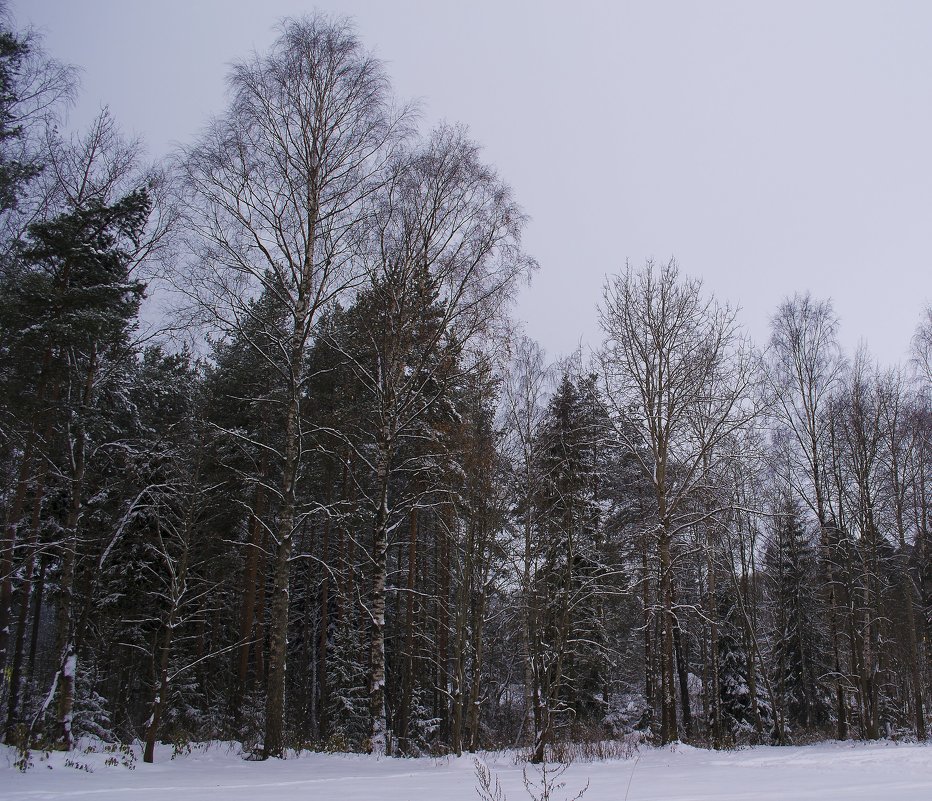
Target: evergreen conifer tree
x=798, y=645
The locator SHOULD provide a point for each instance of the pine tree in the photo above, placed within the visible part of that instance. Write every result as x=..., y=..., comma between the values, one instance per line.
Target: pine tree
x=71, y=303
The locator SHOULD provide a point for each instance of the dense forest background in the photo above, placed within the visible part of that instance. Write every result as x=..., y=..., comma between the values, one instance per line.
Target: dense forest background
x=333, y=498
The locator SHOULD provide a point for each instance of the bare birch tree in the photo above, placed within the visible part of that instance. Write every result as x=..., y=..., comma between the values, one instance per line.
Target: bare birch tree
x=526, y=386
x=805, y=367
x=276, y=190
x=678, y=380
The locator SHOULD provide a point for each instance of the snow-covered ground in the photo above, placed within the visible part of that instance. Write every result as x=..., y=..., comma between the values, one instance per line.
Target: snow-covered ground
x=827, y=772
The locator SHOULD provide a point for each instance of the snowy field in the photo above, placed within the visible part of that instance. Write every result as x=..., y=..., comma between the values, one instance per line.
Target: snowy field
x=828, y=772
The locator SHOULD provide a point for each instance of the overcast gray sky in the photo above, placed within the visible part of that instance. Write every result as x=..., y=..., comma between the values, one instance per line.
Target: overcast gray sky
x=770, y=147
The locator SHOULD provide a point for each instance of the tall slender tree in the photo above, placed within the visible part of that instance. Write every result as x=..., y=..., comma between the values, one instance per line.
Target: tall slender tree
x=276, y=191
x=678, y=381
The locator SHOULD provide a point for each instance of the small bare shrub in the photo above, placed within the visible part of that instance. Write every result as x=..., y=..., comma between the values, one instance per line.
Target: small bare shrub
x=547, y=780
x=541, y=783
x=487, y=784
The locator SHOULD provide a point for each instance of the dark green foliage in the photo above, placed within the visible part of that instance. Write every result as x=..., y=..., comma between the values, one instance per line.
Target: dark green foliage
x=799, y=647
x=70, y=291
x=14, y=172
x=349, y=696
x=571, y=579
x=736, y=700
x=31, y=89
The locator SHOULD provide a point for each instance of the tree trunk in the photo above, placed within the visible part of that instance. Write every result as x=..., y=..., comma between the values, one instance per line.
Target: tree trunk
x=15, y=512
x=260, y=628
x=304, y=310
x=16, y=677
x=379, y=736
x=323, y=635
x=713, y=692
x=443, y=629
x=668, y=724
x=529, y=632
x=162, y=679
x=407, y=689
x=682, y=671
x=66, y=629
x=478, y=641
x=650, y=694
x=8, y=547
x=37, y=614
x=248, y=609
x=459, y=643
x=274, y=745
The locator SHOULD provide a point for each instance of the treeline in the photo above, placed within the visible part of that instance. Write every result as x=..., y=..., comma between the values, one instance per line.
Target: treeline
x=365, y=513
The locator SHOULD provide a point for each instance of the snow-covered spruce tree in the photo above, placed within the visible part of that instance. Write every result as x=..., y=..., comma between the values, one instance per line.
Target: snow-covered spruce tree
x=569, y=588
x=92, y=716
x=138, y=511
x=798, y=651
x=738, y=714
x=181, y=518
x=423, y=725
x=347, y=697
